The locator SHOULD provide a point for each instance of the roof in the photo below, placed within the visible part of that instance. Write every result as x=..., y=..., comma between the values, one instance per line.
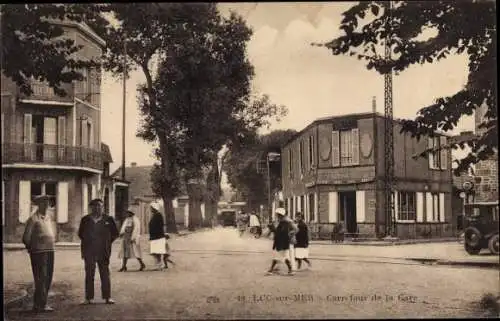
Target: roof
x=107, y=158
x=339, y=117
x=140, y=181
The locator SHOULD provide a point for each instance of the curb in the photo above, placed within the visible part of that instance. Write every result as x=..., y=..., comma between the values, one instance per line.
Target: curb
x=383, y=243
x=16, y=300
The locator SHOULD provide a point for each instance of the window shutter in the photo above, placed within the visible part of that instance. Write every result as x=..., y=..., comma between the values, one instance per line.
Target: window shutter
x=94, y=191
x=360, y=206
x=355, y=146
x=85, y=201
x=289, y=206
x=316, y=206
x=3, y=201
x=429, y=207
x=91, y=133
x=24, y=201
x=83, y=132
x=430, y=145
x=442, y=217
x=202, y=209
x=335, y=149
x=443, y=152
x=61, y=130
x=62, y=202
x=27, y=128
x=420, y=207
x=332, y=207
x=306, y=213
x=396, y=204
x=299, y=204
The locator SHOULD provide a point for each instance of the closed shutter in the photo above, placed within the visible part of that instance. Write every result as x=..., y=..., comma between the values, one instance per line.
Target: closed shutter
x=360, y=206
x=442, y=217
x=202, y=209
x=27, y=138
x=420, y=207
x=3, y=201
x=94, y=191
x=332, y=207
x=430, y=145
x=61, y=136
x=91, y=133
x=85, y=200
x=335, y=149
x=443, y=152
x=299, y=204
x=395, y=210
x=428, y=209
x=24, y=201
x=355, y=146
x=62, y=202
x=316, y=206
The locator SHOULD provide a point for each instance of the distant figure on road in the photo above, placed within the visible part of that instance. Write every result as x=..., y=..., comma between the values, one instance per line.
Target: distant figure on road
x=157, y=235
x=242, y=222
x=302, y=244
x=39, y=239
x=255, y=227
x=281, y=243
x=97, y=231
x=130, y=245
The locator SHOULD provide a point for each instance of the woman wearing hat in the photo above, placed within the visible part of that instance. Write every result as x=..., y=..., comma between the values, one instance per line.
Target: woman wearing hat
x=157, y=235
x=130, y=248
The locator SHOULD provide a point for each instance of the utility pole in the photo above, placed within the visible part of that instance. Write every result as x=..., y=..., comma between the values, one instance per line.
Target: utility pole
x=389, y=136
x=124, y=103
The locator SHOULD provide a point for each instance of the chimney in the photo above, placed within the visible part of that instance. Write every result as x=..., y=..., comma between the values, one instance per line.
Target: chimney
x=374, y=104
x=133, y=164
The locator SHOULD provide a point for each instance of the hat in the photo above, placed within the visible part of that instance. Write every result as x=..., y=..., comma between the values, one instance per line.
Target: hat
x=156, y=205
x=130, y=210
x=40, y=198
x=96, y=200
x=280, y=211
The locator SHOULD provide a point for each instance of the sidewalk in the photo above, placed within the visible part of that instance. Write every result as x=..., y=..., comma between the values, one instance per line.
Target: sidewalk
x=384, y=242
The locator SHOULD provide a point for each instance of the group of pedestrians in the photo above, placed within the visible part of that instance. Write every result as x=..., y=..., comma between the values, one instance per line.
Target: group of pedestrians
x=251, y=222
x=289, y=236
x=97, y=232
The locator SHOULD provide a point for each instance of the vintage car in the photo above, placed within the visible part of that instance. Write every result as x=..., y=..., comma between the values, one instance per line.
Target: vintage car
x=481, y=227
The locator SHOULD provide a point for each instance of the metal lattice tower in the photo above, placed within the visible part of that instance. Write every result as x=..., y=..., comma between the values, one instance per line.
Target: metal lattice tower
x=389, y=140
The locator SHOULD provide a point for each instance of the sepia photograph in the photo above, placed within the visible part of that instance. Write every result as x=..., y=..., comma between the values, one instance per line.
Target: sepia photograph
x=249, y=160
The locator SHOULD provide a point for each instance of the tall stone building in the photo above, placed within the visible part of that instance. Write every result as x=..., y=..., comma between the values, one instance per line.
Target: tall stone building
x=486, y=173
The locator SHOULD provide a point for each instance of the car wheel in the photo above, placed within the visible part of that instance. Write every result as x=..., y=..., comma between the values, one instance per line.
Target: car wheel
x=472, y=250
x=493, y=244
x=472, y=237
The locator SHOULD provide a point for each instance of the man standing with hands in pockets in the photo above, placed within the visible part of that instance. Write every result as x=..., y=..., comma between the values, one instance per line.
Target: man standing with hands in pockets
x=97, y=232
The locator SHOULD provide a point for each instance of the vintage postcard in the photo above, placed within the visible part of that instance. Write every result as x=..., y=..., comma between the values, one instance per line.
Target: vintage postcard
x=254, y=160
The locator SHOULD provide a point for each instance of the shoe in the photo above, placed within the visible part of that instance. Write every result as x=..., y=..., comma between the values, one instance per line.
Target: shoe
x=290, y=273
x=269, y=273
x=48, y=309
x=123, y=269
x=142, y=267
x=87, y=302
x=110, y=301
x=165, y=267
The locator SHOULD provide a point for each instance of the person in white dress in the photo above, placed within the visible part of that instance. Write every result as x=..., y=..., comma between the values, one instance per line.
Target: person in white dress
x=130, y=247
x=157, y=246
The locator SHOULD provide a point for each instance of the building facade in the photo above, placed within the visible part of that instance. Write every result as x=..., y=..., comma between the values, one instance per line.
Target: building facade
x=333, y=173
x=51, y=145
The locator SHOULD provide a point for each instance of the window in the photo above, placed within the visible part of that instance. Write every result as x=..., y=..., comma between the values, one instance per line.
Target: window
x=345, y=147
x=437, y=158
x=433, y=209
x=407, y=206
x=311, y=151
x=302, y=206
x=89, y=136
x=43, y=188
x=290, y=163
x=89, y=193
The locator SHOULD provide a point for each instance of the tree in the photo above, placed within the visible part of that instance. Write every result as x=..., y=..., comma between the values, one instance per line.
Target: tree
x=242, y=172
x=147, y=28
x=462, y=26
x=204, y=89
x=29, y=36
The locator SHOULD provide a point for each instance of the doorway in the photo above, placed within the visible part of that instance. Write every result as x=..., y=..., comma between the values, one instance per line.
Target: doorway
x=348, y=211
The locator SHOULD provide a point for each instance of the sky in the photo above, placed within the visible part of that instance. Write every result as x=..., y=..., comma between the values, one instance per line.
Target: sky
x=310, y=81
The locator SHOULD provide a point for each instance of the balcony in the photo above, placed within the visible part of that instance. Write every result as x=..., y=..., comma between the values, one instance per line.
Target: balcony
x=43, y=92
x=42, y=154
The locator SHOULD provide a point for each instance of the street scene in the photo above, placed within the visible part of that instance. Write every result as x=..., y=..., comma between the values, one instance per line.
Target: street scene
x=250, y=160
x=218, y=274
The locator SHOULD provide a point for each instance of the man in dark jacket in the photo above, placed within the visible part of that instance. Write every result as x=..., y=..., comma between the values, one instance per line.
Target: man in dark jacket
x=281, y=243
x=97, y=232
x=157, y=242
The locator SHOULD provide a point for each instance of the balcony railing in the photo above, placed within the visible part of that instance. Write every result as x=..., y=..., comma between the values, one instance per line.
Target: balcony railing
x=52, y=155
x=42, y=91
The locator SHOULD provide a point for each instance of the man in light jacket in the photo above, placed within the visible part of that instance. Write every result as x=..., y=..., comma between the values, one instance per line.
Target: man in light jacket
x=39, y=239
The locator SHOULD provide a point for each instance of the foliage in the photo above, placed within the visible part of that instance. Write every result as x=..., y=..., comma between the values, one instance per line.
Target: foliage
x=241, y=167
x=29, y=36
x=462, y=27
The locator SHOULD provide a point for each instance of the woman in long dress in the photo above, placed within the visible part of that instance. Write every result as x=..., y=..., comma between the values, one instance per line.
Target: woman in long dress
x=130, y=247
x=157, y=246
x=302, y=243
